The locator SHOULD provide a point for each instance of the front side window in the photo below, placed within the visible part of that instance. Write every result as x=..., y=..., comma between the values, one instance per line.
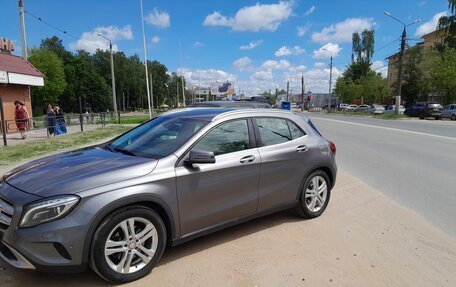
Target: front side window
x=157, y=138
x=226, y=138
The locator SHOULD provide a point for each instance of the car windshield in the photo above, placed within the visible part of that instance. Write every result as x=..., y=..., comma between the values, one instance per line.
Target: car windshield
x=157, y=138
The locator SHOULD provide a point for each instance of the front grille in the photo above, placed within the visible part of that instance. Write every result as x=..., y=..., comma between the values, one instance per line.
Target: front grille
x=6, y=214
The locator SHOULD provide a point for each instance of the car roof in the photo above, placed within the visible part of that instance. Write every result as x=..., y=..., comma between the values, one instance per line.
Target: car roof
x=210, y=114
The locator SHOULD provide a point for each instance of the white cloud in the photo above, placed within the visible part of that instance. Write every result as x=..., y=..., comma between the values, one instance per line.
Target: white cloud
x=325, y=51
x=310, y=11
x=256, y=18
x=302, y=30
x=422, y=3
x=198, y=44
x=275, y=65
x=155, y=40
x=263, y=76
x=380, y=67
x=285, y=51
x=204, y=78
x=158, y=19
x=319, y=65
x=251, y=45
x=91, y=41
x=342, y=32
x=429, y=26
x=242, y=64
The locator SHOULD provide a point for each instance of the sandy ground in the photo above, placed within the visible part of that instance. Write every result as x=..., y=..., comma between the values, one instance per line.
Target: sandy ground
x=363, y=239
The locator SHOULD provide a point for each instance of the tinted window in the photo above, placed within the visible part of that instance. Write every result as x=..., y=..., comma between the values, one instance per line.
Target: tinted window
x=273, y=131
x=228, y=137
x=295, y=131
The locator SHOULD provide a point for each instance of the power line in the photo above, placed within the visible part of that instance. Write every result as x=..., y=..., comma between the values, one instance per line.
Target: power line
x=63, y=31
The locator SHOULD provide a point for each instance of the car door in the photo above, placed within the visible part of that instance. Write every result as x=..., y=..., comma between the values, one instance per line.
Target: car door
x=212, y=194
x=284, y=150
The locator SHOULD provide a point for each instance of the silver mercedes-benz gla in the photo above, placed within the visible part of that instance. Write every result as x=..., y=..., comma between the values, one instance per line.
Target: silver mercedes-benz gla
x=183, y=174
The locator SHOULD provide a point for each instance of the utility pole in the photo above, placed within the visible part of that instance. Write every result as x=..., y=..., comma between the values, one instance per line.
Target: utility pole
x=399, y=78
x=24, y=40
x=145, y=60
x=401, y=58
x=113, y=78
x=182, y=75
x=288, y=88
x=330, y=81
x=302, y=92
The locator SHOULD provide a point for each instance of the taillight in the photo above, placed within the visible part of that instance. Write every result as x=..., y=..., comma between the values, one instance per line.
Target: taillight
x=332, y=146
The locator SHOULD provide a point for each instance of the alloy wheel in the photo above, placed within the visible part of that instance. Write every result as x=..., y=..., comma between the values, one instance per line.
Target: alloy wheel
x=316, y=193
x=131, y=245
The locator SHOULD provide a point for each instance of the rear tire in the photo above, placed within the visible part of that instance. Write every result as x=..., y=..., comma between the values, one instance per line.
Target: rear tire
x=128, y=244
x=421, y=116
x=453, y=117
x=314, y=196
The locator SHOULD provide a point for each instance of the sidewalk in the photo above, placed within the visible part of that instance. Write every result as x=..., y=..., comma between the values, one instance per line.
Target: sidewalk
x=39, y=134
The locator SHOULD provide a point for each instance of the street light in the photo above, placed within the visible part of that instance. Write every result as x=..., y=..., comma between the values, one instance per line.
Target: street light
x=114, y=98
x=330, y=77
x=401, y=58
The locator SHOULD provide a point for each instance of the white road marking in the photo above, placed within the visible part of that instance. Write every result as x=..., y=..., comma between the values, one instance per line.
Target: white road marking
x=386, y=128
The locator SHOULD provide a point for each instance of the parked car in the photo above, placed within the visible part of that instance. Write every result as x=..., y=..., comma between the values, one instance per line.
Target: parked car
x=415, y=109
x=434, y=110
x=376, y=109
x=116, y=206
x=351, y=108
x=392, y=109
x=342, y=107
x=449, y=112
x=362, y=108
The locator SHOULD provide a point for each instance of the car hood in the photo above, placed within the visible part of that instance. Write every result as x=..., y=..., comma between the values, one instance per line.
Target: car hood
x=75, y=171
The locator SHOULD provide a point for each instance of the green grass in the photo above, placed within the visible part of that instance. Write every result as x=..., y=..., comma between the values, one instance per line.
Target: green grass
x=365, y=114
x=391, y=116
x=128, y=121
x=13, y=154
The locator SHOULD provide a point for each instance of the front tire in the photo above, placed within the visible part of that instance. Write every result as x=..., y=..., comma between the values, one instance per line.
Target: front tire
x=453, y=117
x=128, y=244
x=314, y=196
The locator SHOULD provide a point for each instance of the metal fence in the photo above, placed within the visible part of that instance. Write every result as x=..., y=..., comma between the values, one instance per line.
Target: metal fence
x=52, y=126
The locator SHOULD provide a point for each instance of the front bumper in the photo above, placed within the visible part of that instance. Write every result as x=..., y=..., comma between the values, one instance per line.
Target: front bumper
x=47, y=247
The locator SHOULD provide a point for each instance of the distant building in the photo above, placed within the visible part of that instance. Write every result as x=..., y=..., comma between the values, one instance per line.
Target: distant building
x=16, y=77
x=430, y=39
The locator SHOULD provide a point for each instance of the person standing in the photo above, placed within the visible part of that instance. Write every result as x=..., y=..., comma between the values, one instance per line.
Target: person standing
x=21, y=116
x=50, y=120
x=60, y=126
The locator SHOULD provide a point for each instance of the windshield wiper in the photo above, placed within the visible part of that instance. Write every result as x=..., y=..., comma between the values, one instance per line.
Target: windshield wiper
x=108, y=147
x=124, y=151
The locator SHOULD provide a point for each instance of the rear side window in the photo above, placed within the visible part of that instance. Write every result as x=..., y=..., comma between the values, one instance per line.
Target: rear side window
x=295, y=131
x=276, y=131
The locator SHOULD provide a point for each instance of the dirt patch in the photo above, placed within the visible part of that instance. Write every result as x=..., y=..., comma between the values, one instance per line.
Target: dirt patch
x=363, y=239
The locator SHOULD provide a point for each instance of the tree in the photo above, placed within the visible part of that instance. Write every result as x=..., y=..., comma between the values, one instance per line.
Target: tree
x=54, y=79
x=363, y=47
x=416, y=84
x=448, y=23
x=442, y=66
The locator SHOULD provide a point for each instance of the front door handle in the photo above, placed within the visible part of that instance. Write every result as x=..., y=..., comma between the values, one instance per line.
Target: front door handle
x=247, y=159
x=302, y=148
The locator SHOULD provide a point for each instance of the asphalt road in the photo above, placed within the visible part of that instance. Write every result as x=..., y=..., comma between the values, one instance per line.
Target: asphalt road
x=411, y=161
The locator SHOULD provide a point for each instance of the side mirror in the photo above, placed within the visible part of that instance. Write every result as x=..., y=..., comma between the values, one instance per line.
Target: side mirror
x=200, y=156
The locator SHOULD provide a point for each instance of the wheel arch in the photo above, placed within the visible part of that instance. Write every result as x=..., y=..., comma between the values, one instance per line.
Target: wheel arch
x=144, y=200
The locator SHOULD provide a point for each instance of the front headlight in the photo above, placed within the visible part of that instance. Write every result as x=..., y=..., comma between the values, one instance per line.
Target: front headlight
x=48, y=209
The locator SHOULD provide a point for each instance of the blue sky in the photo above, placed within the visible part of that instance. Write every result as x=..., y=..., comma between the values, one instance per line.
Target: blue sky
x=257, y=45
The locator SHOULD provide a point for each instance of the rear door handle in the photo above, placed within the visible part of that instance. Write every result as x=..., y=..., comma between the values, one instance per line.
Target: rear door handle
x=247, y=159
x=302, y=148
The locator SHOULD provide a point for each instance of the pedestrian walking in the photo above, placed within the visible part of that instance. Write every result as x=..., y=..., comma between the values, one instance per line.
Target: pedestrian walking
x=60, y=125
x=21, y=116
x=50, y=120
